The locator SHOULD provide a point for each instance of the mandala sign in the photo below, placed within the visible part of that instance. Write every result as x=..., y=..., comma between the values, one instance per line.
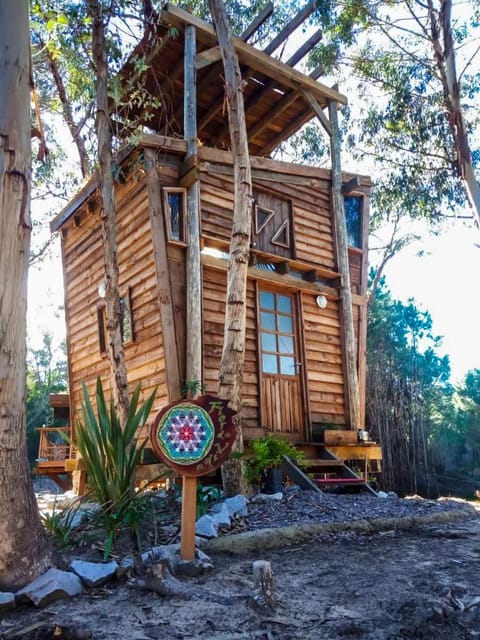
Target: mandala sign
x=185, y=433
x=194, y=437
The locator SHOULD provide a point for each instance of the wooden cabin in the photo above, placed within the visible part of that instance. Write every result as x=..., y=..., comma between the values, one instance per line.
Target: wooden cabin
x=296, y=380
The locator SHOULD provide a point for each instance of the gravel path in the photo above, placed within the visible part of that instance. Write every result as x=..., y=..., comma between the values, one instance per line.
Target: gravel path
x=308, y=507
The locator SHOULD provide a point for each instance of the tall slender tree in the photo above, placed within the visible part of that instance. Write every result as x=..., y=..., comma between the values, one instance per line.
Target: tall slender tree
x=233, y=354
x=24, y=551
x=99, y=15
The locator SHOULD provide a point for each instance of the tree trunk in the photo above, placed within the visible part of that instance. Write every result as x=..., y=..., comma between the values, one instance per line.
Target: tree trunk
x=441, y=30
x=233, y=355
x=109, y=237
x=352, y=389
x=24, y=552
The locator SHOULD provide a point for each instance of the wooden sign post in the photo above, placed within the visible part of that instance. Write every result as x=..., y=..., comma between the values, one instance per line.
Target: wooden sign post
x=194, y=438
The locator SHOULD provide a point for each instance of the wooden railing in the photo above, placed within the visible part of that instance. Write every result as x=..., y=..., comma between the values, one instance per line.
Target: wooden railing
x=52, y=447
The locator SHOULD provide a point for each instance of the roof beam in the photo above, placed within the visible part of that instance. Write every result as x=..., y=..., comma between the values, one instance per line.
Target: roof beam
x=283, y=104
x=255, y=25
x=271, y=84
x=206, y=58
x=258, y=60
x=300, y=17
x=317, y=109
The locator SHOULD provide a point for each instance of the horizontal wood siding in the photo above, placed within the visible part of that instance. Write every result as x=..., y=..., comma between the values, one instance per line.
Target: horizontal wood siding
x=83, y=267
x=214, y=297
x=312, y=226
x=324, y=361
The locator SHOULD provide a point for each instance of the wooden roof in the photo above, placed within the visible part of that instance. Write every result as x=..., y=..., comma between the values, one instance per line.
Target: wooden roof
x=278, y=98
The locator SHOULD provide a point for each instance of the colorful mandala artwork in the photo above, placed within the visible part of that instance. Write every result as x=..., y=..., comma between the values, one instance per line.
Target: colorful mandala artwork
x=194, y=437
x=185, y=433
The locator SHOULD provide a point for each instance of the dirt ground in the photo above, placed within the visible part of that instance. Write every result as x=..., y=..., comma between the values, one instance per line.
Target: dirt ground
x=420, y=583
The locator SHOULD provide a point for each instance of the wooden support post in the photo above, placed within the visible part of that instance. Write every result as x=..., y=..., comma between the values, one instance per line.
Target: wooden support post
x=352, y=392
x=189, y=506
x=193, y=263
x=164, y=289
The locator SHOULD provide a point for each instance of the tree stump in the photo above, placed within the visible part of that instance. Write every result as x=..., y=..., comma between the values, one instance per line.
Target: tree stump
x=263, y=584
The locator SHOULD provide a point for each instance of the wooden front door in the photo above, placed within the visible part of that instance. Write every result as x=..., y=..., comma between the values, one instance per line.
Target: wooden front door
x=280, y=366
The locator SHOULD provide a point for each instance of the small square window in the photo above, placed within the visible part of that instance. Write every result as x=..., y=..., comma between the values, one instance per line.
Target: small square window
x=126, y=321
x=353, y=219
x=175, y=205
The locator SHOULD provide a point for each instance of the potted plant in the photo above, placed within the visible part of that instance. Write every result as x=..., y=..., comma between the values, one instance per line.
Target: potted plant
x=264, y=465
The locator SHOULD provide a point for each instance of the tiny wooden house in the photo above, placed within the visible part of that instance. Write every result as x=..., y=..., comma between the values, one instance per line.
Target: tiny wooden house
x=295, y=363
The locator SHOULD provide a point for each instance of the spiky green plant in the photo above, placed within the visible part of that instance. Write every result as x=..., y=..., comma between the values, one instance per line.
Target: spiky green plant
x=59, y=522
x=110, y=454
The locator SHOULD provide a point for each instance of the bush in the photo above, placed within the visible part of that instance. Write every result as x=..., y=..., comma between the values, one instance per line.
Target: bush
x=111, y=455
x=268, y=453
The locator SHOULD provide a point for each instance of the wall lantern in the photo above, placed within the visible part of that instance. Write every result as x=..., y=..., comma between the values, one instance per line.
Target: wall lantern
x=102, y=289
x=321, y=301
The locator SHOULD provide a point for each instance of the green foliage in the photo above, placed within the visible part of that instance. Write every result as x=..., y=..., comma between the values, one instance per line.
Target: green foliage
x=110, y=455
x=60, y=523
x=206, y=497
x=191, y=388
x=268, y=453
x=407, y=382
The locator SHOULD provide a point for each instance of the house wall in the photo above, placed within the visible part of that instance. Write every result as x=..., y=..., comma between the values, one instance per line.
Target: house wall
x=83, y=272
x=313, y=248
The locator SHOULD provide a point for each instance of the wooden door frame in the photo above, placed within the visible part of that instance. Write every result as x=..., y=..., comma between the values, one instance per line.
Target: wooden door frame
x=299, y=345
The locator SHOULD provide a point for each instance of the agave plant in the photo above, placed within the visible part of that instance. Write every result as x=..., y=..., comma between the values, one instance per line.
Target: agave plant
x=111, y=454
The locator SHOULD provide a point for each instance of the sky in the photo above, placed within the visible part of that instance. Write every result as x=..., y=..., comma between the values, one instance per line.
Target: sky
x=442, y=282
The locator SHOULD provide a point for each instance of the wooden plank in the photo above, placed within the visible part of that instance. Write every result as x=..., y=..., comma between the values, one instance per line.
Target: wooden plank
x=164, y=289
x=357, y=451
x=286, y=281
x=317, y=109
x=208, y=57
x=187, y=535
x=257, y=22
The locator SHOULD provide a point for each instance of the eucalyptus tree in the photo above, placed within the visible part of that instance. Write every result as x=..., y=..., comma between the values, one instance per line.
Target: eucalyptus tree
x=24, y=551
x=414, y=72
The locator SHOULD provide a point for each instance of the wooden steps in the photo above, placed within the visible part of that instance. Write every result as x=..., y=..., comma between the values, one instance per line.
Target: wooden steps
x=327, y=472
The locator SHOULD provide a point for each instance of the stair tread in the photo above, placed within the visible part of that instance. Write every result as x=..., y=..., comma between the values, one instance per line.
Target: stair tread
x=339, y=480
x=320, y=462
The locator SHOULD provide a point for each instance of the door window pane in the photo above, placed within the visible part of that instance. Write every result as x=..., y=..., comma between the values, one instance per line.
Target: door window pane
x=287, y=366
x=269, y=342
x=267, y=321
x=285, y=324
x=269, y=363
x=286, y=344
x=284, y=304
x=267, y=300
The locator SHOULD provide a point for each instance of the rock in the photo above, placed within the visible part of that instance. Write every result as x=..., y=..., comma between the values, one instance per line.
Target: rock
x=52, y=585
x=125, y=568
x=382, y=494
x=45, y=485
x=265, y=497
x=221, y=515
x=206, y=527
x=7, y=601
x=170, y=554
x=237, y=506
x=94, y=574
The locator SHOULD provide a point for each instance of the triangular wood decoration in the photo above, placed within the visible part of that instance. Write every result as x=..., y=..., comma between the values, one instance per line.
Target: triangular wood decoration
x=282, y=236
x=262, y=218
